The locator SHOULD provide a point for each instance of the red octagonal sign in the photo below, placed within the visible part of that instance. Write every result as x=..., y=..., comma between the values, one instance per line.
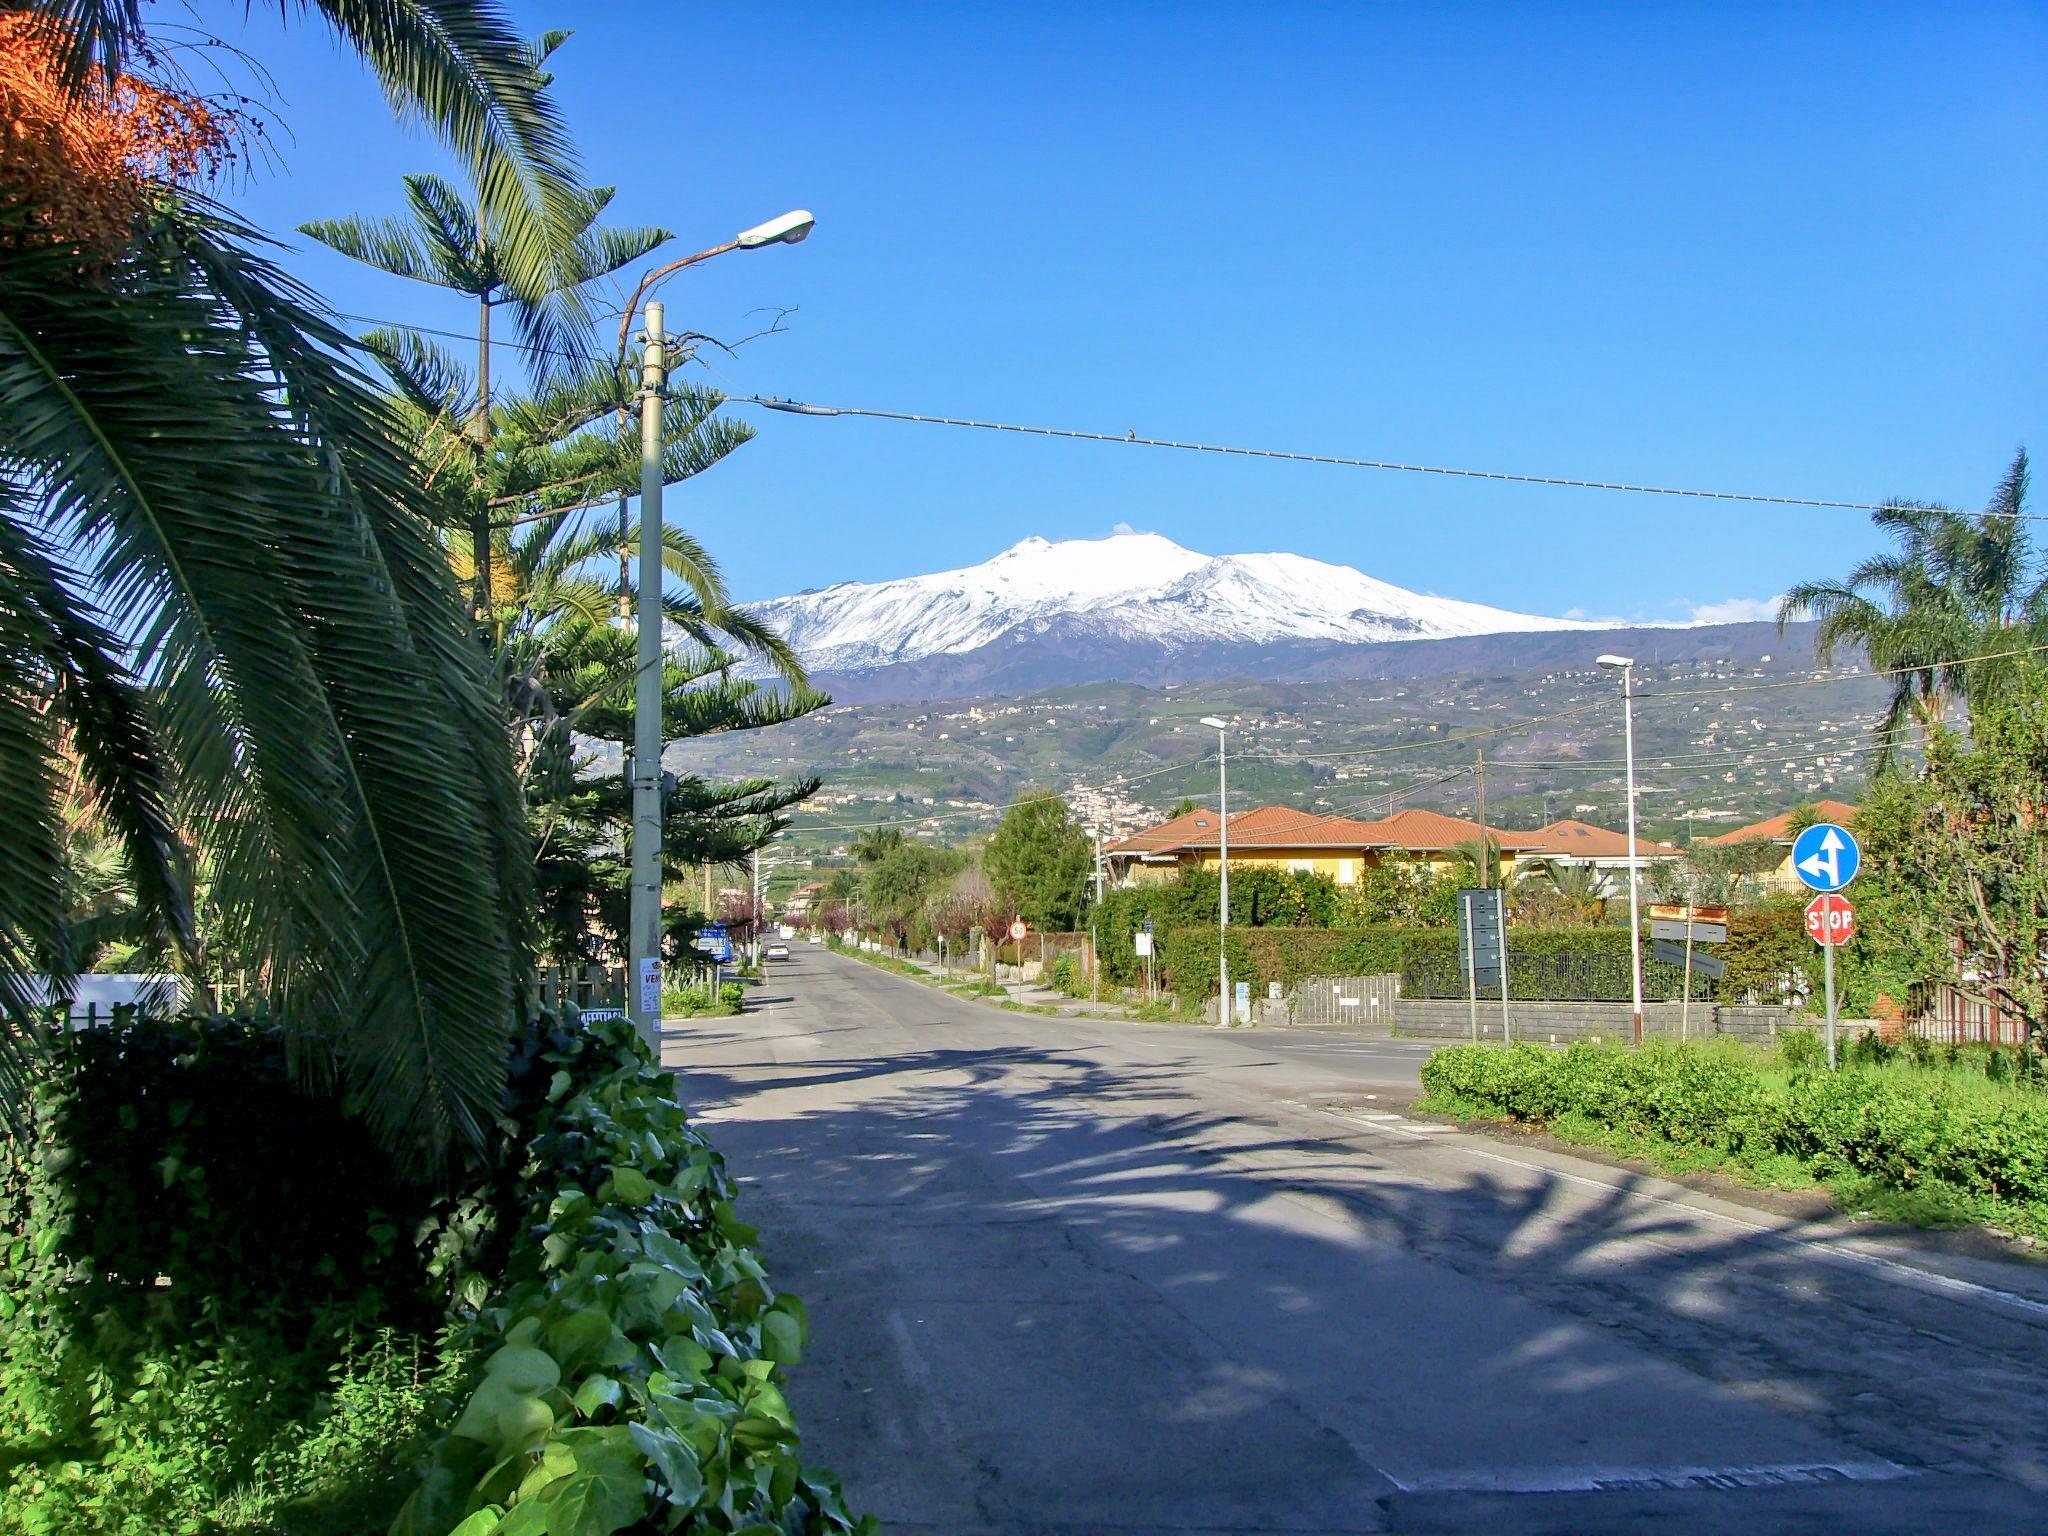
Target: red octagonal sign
x=1830, y=920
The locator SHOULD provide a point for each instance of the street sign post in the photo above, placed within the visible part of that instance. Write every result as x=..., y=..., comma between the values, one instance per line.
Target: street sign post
x=1018, y=929
x=1831, y=923
x=1826, y=857
x=1697, y=933
x=1484, y=928
x=1693, y=923
x=1674, y=954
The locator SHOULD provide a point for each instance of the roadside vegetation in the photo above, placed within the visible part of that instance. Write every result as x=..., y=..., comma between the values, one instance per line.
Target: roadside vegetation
x=305, y=642
x=1933, y=1135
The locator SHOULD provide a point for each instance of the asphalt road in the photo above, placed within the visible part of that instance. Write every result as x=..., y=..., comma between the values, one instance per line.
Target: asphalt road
x=1097, y=1277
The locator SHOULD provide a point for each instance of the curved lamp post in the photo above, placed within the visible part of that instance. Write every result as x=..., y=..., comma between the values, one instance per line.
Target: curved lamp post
x=643, y=939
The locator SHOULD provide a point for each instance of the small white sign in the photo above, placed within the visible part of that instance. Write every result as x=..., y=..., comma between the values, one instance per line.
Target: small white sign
x=1144, y=944
x=650, y=989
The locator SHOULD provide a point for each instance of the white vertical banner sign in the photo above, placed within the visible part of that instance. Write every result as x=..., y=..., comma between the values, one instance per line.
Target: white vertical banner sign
x=650, y=990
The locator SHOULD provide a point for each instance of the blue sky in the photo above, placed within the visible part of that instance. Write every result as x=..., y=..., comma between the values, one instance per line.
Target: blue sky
x=1761, y=248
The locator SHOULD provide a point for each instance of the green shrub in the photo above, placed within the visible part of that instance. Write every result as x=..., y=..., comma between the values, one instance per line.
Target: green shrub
x=631, y=1362
x=1979, y=1149
x=218, y=1309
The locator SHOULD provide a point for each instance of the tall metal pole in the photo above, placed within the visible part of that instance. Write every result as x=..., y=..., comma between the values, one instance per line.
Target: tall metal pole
x=645, y=917
x=1828, y=970
x=1225, y=1014
x=1635, y=922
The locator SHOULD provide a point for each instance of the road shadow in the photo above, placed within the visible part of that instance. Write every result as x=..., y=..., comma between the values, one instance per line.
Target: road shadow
x=1709, y=1369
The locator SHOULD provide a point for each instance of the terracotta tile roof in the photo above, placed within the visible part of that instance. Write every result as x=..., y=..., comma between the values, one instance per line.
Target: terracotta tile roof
x=1424, y=831
x=1167, y=836
x=1274, y=826
x=1583, y=840
x=1416, y=831
x=1777, y=828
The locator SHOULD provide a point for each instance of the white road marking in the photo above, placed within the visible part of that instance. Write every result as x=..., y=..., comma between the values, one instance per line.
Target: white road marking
x=1620, y=1479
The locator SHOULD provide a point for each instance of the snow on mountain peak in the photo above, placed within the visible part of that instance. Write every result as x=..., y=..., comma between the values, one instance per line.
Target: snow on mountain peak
x=1126, y=587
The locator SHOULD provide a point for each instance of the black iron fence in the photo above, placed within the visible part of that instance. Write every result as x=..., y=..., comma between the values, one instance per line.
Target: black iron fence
x=1553, y=977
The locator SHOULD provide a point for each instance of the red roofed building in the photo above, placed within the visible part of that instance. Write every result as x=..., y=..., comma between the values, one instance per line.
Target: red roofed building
x=1775, y=832
x=1342, y=847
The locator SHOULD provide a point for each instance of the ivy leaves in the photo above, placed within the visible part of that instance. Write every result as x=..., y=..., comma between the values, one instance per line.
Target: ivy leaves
x=634, y=1382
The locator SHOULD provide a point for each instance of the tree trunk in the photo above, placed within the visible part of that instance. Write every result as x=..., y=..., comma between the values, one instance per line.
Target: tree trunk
x=480, y=520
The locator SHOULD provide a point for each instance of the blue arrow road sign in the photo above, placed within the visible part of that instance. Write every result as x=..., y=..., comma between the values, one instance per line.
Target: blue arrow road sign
x=1825, y=856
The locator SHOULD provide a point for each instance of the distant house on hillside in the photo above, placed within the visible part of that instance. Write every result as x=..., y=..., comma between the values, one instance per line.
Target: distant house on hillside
x=1777, y=832
x=797, y=908
x=1342, y=847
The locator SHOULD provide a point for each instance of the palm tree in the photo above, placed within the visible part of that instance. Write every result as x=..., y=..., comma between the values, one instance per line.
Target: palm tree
x=282, y=668
x=467, y=246
x=1476, y=863
x=1957, y=587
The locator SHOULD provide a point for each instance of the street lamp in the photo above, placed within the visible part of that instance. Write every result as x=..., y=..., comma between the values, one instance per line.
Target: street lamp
x=1224, y=1014
x=643, y=939
x=1626, y=666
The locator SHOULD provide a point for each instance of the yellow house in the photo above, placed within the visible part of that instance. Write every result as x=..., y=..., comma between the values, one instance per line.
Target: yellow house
x=1343, y=848
x=1776, y=831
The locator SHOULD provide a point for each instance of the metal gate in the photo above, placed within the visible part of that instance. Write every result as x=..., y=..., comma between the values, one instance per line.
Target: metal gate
x=1360, y=1001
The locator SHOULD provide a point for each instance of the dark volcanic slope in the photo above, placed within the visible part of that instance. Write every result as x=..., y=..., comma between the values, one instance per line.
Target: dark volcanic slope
x=1062, y=655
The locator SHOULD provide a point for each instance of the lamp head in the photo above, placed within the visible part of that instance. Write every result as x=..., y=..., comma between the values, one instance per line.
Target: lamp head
x=788, y=229
x=1617, y=661
x=1215, y=724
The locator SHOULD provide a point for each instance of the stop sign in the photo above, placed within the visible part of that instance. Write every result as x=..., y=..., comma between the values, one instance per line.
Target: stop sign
x=1830, y=920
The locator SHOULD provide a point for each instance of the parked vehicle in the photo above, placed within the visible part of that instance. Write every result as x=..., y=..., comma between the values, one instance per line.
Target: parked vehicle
x=778, y=951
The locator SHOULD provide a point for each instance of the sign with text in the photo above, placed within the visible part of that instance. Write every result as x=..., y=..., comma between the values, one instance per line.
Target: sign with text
x=650, y=989
x=1018, y=929
x=1830, y=920
x=1480, y=924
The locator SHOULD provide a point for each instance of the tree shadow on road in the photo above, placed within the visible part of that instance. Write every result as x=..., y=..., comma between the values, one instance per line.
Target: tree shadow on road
x=1548, y=1313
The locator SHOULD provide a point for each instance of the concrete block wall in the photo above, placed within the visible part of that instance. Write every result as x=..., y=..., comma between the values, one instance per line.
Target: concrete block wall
x=1562, y=1023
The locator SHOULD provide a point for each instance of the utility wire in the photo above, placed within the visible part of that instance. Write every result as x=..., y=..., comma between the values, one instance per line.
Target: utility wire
x=1131, y=439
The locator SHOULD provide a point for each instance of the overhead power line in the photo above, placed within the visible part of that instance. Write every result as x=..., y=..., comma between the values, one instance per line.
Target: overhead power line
x=1132, y=439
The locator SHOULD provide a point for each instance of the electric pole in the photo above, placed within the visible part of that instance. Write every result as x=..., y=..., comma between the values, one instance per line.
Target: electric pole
x=644, y=921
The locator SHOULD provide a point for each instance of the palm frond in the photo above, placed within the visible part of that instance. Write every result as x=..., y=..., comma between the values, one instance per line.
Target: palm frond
x=457, y=66
x=389, y=245
x=443, y=224
x=262, y=534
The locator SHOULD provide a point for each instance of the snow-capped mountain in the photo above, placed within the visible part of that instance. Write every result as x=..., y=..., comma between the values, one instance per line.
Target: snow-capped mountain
x=1132, y=591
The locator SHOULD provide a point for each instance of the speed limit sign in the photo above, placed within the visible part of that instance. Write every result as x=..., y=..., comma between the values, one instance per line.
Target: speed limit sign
x=1830, y=920
x=1018, y=929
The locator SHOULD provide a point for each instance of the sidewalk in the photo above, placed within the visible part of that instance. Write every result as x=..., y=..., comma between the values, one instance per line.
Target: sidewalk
x=1026, y=994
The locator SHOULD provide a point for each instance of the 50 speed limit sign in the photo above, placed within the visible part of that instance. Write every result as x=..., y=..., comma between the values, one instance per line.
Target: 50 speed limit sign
x=1830, y=920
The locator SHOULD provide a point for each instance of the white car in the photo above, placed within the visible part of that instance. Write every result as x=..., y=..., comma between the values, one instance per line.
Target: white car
x=817, y=938
x=778, y=951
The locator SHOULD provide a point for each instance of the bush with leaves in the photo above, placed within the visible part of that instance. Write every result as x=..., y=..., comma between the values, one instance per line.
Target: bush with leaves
x=632, y=1359
x=1960, y=1142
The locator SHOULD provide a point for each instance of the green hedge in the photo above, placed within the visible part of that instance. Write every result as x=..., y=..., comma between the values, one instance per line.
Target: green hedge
x=632, y=1360
x=219, y=1310
x=1543, y=962
x=1979, y=1148
x=579, y=1342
